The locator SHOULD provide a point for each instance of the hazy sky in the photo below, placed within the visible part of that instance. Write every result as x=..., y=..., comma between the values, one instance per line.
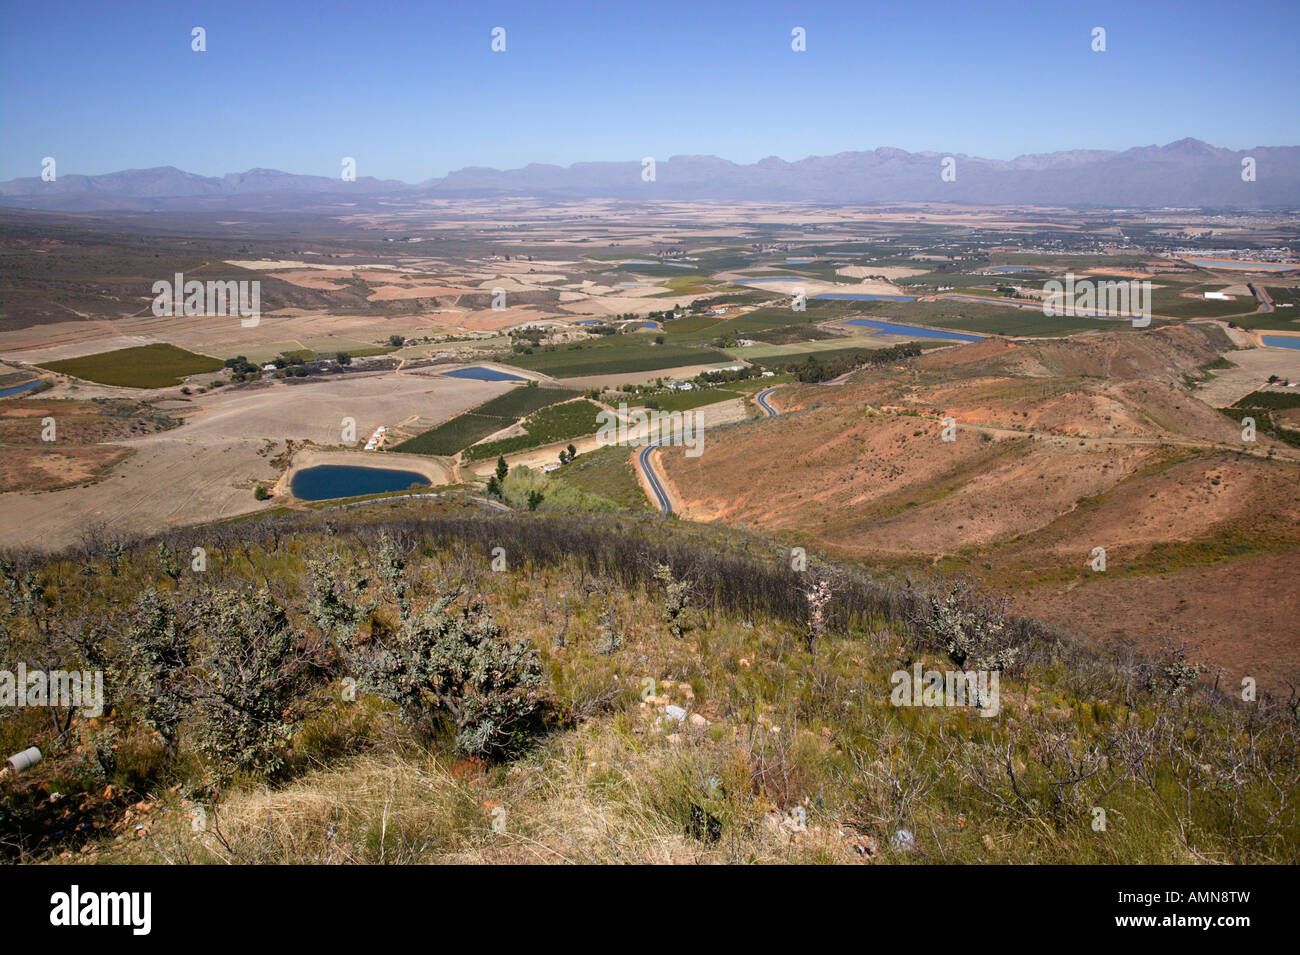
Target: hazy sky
x=413, y=90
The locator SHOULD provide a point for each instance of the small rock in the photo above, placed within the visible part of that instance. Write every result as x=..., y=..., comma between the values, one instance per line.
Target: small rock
x=697, y=720
x=865, y=846
x=675, y=713
x=903, y=841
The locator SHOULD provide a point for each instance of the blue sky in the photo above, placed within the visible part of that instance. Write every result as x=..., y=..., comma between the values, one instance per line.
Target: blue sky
x=413, y=90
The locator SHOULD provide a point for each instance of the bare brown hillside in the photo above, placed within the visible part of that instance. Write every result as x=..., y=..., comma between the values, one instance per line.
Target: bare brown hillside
x=1061, y=447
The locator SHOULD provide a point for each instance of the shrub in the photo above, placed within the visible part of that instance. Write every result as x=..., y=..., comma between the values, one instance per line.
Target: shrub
x=677, y=599
x=973, y=632
x=158, y=668
x=458, y=662
x=818, y=597
x=611, y=637
x=337, y=592
x=253, y=672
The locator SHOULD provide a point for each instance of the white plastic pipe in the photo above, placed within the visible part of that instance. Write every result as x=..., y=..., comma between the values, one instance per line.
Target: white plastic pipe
x=24, y=760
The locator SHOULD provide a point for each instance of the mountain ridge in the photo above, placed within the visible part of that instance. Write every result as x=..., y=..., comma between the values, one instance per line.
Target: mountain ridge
x=1187, y=172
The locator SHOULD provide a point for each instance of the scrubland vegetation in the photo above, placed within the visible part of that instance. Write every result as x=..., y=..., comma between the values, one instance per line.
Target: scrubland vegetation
x=401, y=683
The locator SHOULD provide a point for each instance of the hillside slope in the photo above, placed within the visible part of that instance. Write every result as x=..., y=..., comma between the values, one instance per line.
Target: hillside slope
x=1059, y=447
x=421, y=682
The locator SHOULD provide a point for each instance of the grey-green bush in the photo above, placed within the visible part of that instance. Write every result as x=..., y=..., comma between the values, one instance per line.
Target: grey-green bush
x=456, y=661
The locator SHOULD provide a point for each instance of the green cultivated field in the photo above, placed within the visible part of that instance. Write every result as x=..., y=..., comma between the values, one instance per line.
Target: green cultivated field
x=617, y=354
x=574, y=419
x=454, y=435
x=460, y=432
x=1281, y=321
x=1170, y=301
x=1031, y=323
x=146, y=366
x=765, y=319
x=1269, y=400
x=523, y=401
x=776, y=362
x=695, y=330
x=666, y=271
x=756, y=354
x=686, y=400
x=1281, y=294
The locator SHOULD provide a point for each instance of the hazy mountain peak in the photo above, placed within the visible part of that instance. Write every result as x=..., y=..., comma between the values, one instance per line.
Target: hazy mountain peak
x=1138, y=177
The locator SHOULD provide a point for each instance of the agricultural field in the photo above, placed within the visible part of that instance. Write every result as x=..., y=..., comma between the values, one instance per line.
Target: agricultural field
x=1270, y=400
x=523, y=401
x=146, y=366
x=563, y=422
x=765, y=319
x=1277, y=321
x=783, y=359
x=686, y=400
x=616, y=354
x=1274, y=413
x=1172, y=302
x=452, y=437
x=993, y=318
x=694, y=329
x=1284, y=295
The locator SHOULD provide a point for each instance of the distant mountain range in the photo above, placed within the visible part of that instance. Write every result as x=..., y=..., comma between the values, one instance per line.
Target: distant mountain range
x=1187, y=173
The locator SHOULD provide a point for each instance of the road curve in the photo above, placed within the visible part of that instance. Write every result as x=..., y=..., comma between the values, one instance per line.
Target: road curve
x=761, y=398
x=647, y=468
x=1261, y=293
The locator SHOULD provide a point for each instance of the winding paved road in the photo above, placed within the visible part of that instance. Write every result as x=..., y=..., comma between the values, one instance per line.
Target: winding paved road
x=647, y=468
